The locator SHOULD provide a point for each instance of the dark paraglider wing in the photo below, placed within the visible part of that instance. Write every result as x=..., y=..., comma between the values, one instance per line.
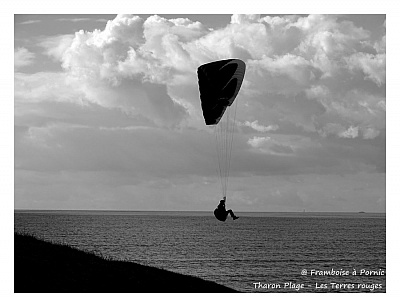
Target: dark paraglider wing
x=219, y=84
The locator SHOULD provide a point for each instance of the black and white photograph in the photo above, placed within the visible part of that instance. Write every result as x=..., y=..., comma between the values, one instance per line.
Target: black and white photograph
x=199, y=153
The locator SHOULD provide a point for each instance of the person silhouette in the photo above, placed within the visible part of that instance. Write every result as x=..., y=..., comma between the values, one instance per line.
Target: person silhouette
x=221, y=213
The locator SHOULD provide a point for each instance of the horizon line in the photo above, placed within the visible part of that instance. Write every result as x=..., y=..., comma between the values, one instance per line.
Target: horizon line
x=199, y=211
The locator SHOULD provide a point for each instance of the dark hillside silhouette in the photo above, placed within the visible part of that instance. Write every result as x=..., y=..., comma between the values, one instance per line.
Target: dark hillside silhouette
x=42, y=267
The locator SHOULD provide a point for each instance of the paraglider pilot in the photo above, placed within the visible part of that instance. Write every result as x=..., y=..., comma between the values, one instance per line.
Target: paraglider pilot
x=221, y=213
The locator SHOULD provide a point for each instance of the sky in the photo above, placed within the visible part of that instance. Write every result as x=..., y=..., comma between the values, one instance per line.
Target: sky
x=107, y=112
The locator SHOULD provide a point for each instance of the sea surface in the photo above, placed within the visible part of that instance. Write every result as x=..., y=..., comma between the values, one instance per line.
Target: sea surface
x=259, y=252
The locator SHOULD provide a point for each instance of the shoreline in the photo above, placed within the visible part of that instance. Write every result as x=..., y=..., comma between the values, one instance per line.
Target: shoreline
x=45, y=267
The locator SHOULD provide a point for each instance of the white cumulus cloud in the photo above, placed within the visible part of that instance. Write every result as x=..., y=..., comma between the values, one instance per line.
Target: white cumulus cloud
x=23, y=57
x=260, y=128
x=351, y=132
x=258, y=141
x=373, y=66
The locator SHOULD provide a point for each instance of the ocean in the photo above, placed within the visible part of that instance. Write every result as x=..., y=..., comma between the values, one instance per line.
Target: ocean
x=259, y=252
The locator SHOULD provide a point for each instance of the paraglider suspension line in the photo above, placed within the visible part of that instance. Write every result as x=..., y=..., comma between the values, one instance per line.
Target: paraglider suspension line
x=224, y=132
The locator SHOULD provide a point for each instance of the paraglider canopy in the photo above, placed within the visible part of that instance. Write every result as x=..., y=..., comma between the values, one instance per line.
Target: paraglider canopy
x=219, y=84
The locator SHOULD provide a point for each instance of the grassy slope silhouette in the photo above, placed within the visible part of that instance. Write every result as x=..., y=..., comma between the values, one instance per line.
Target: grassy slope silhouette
x=44, y=267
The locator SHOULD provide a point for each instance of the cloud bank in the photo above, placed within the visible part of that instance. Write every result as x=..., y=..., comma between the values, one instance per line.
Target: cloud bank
x=287, y=58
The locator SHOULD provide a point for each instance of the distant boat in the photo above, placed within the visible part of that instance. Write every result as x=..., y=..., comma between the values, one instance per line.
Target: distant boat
x=361, y=212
